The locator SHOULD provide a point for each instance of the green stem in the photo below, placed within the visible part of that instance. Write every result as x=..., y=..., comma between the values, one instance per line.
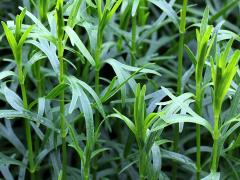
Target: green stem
x=215, y=143
x=99, y=8
x=198, y=142
x=198, y=109
x=134, y=34
x=28, y=133
x=97, y=59
x=179, y=92
x=86, y=170
x=142, y=164
x=97, y=86
x=62, y=110
x=21, y=79
x=180, y=63
x=179, y=79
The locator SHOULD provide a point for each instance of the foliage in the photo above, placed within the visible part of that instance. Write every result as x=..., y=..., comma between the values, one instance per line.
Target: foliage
x=119, y=89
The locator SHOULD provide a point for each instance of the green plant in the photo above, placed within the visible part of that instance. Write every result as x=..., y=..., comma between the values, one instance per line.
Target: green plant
x=204, y=45
x=182, y=30
x=16, y=41
x=70, y=80
x=139, y=128
x=222, y=74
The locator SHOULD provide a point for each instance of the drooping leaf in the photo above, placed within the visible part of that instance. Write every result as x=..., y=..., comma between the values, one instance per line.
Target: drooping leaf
x=75, y=40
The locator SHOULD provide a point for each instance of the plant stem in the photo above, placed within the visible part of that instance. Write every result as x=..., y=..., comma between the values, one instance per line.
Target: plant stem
x=142, y=164
x=87, y=162
x=198, y=143
x=198, y=109
x=97, y=84
x=179, y=92
x=215, y=143
x=26, y=121
x=179, y=79
x=28, y=133
x=97, y=58
x=62, y=110
x=134, y=34
x=180, y=63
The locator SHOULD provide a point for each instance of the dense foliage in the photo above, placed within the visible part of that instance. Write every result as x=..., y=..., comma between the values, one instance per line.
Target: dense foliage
x=119, y=89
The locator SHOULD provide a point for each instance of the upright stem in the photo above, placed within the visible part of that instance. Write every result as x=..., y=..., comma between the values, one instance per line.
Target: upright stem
x=179, y=79
x=134, y=34
x=142, y=164
x=28, y=133
x=60, y=48
x=62, y=110
x=97, y=87
x=198, y=109
x=215, y=143
x=179, y=92
x=198, y=143
x=87, y=162
x=97, y=59
x=180, y=63
x=26, y=121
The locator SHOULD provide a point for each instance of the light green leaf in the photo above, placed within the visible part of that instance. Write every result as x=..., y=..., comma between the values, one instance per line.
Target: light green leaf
x=167, y=8
x=75, y=40
x=212, y=176
x=128, y=122
x=5, y=74
x=11, y=114
x=10, y=37
x=135, y=7
x=13, y=99
x=5, y=160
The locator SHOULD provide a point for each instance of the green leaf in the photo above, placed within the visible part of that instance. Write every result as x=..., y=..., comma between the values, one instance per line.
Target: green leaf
x=98, y=151
x=212, y=176
x=36, y=21
x=156, y=158
x=139, y=114
x=59, y=19
x=10, y=114
x=49, y=50
x=128, y=122
x=90, y=3
x=10, y=37
x=81, y=100
x=56, y=91
x=234, y=104
x=24, y=36
x=5, y=160
x=224, y=9
x=75, y=144
x=5, y=74
x=186, y=119
x=113, y=10
x=135, y=7
x=8, y=133
x=204, y=22
x=75, y=40
x=167, y=8
x=13, y=99
x=190, y=55
x=179, y=158
x=94, y=95
x=76, y=83
x=74, y=11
